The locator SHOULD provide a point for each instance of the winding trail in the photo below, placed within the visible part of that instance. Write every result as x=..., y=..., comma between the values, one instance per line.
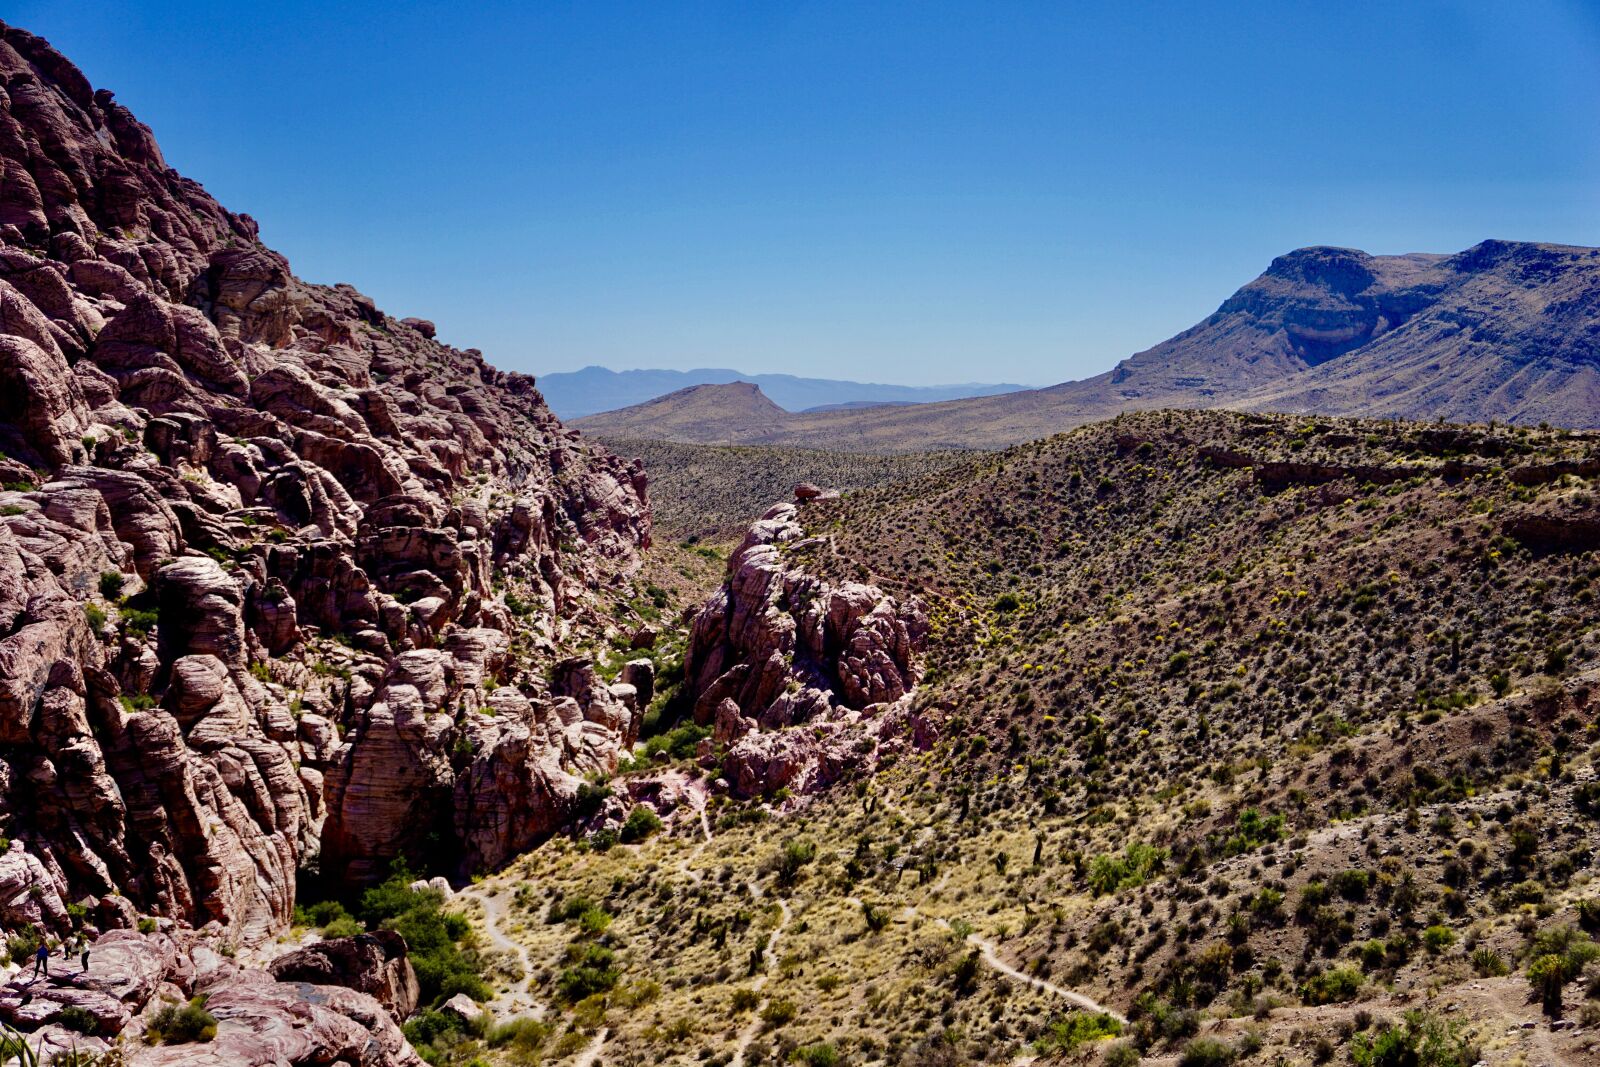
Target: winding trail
x=769, y=957
x=991, y=959
x=591, y=1055
x=988, y=954
x=516, y=1002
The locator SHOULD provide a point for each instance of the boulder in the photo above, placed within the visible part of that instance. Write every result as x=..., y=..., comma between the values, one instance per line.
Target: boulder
x=375, y=964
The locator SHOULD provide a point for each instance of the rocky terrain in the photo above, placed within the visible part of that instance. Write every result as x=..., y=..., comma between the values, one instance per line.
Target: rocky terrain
x=1231, y=738
x=285, y=582
x=350, y=715
x=1502, y=331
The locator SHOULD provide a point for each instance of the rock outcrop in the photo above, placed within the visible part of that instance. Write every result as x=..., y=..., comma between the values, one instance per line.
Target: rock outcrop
x=374, y=964
x=281, y=576
x=778, y=646
x=262, y=1019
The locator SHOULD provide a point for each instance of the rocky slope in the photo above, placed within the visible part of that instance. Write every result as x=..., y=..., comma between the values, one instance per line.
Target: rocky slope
x=1258, y=732
x=1502, y=331
x=778, y=647
x=281, y=576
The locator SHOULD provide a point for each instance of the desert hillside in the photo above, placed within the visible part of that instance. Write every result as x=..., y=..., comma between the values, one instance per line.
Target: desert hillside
x=355, y=711
x=1231, y=736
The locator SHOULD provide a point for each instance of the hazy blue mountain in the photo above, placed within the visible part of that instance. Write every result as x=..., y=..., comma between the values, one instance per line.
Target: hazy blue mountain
x=574, y=394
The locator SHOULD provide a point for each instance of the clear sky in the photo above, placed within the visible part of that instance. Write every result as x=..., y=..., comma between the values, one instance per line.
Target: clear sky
x=921, y=192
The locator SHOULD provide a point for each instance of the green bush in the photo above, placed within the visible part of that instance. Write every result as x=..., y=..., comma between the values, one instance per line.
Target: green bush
x=444, y=966
x=344, y=926
x=140, y=622
x=1136, y=864
x=818, y=1055
x=22, y=945
x=1206, y=1052
x=525, y=1035
x=1438, y=938
x=1352, y=884
x=111, y=583
x=592, y=969
x=1064, y=1035
x=778, y=1012
x=641, y=823
x=1332, y=987
x=678, y=743
x=1121, y=1054
x=794, y=855
x=1424, y=1040
x=96, y=616
x=425, y=1028
x=178, y=1024
x=78, y=1019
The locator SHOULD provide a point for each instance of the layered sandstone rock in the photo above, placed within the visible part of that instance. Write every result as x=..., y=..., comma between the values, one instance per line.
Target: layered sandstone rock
x=299, y=1013
x=778, y=646
x=281, y=576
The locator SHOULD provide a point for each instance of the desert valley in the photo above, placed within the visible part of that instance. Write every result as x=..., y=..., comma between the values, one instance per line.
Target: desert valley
x=1236, y=705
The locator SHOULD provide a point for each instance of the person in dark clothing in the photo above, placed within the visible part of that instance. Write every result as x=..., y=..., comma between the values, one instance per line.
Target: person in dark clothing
x=83, y=951
x=41, y=961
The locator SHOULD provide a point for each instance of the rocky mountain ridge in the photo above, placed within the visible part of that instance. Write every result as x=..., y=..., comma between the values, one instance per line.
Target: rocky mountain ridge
x=574, y=394
x=1505, y=330
x=281, y=576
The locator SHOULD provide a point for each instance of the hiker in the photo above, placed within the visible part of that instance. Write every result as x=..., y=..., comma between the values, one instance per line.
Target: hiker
x=83, y=954
x=41, y=961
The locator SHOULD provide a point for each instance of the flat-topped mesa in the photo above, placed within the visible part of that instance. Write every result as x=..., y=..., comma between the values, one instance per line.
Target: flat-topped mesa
x=779, y=647
x=256, y=538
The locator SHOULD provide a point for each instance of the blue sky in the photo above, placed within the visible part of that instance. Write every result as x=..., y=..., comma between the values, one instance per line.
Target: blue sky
x=920, y=193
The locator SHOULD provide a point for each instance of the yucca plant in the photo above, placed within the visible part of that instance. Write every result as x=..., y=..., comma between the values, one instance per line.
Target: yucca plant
x=14, y=1046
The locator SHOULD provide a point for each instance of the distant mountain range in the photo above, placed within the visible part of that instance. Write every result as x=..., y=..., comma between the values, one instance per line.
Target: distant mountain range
x=574, y=394
x=1504, y=330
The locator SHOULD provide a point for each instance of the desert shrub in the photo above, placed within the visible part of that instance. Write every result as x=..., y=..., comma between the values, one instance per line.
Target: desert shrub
x=1065, y=1034
x=818, y=1055
x=177, y=1024
x=140, y=622
x=78, y=1019
x=111, y=583
x=778, y=1012
x=1120, y=1054
x=95, y=615
x=1250, y=831
x=1438, y=938
x=1137, y=863
x=443, y=964
x=745, y=999
x=1352, y=884
x=1206, y=1052
x=21, y=945
x=1332, y=986
x=589, y=799
x=524, y=1034
x=641, y=823
x=795, y=854
x=344, y=926
x=678, y=743
x=591, y=969
x=1424, y=1040
x=1487, y=963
